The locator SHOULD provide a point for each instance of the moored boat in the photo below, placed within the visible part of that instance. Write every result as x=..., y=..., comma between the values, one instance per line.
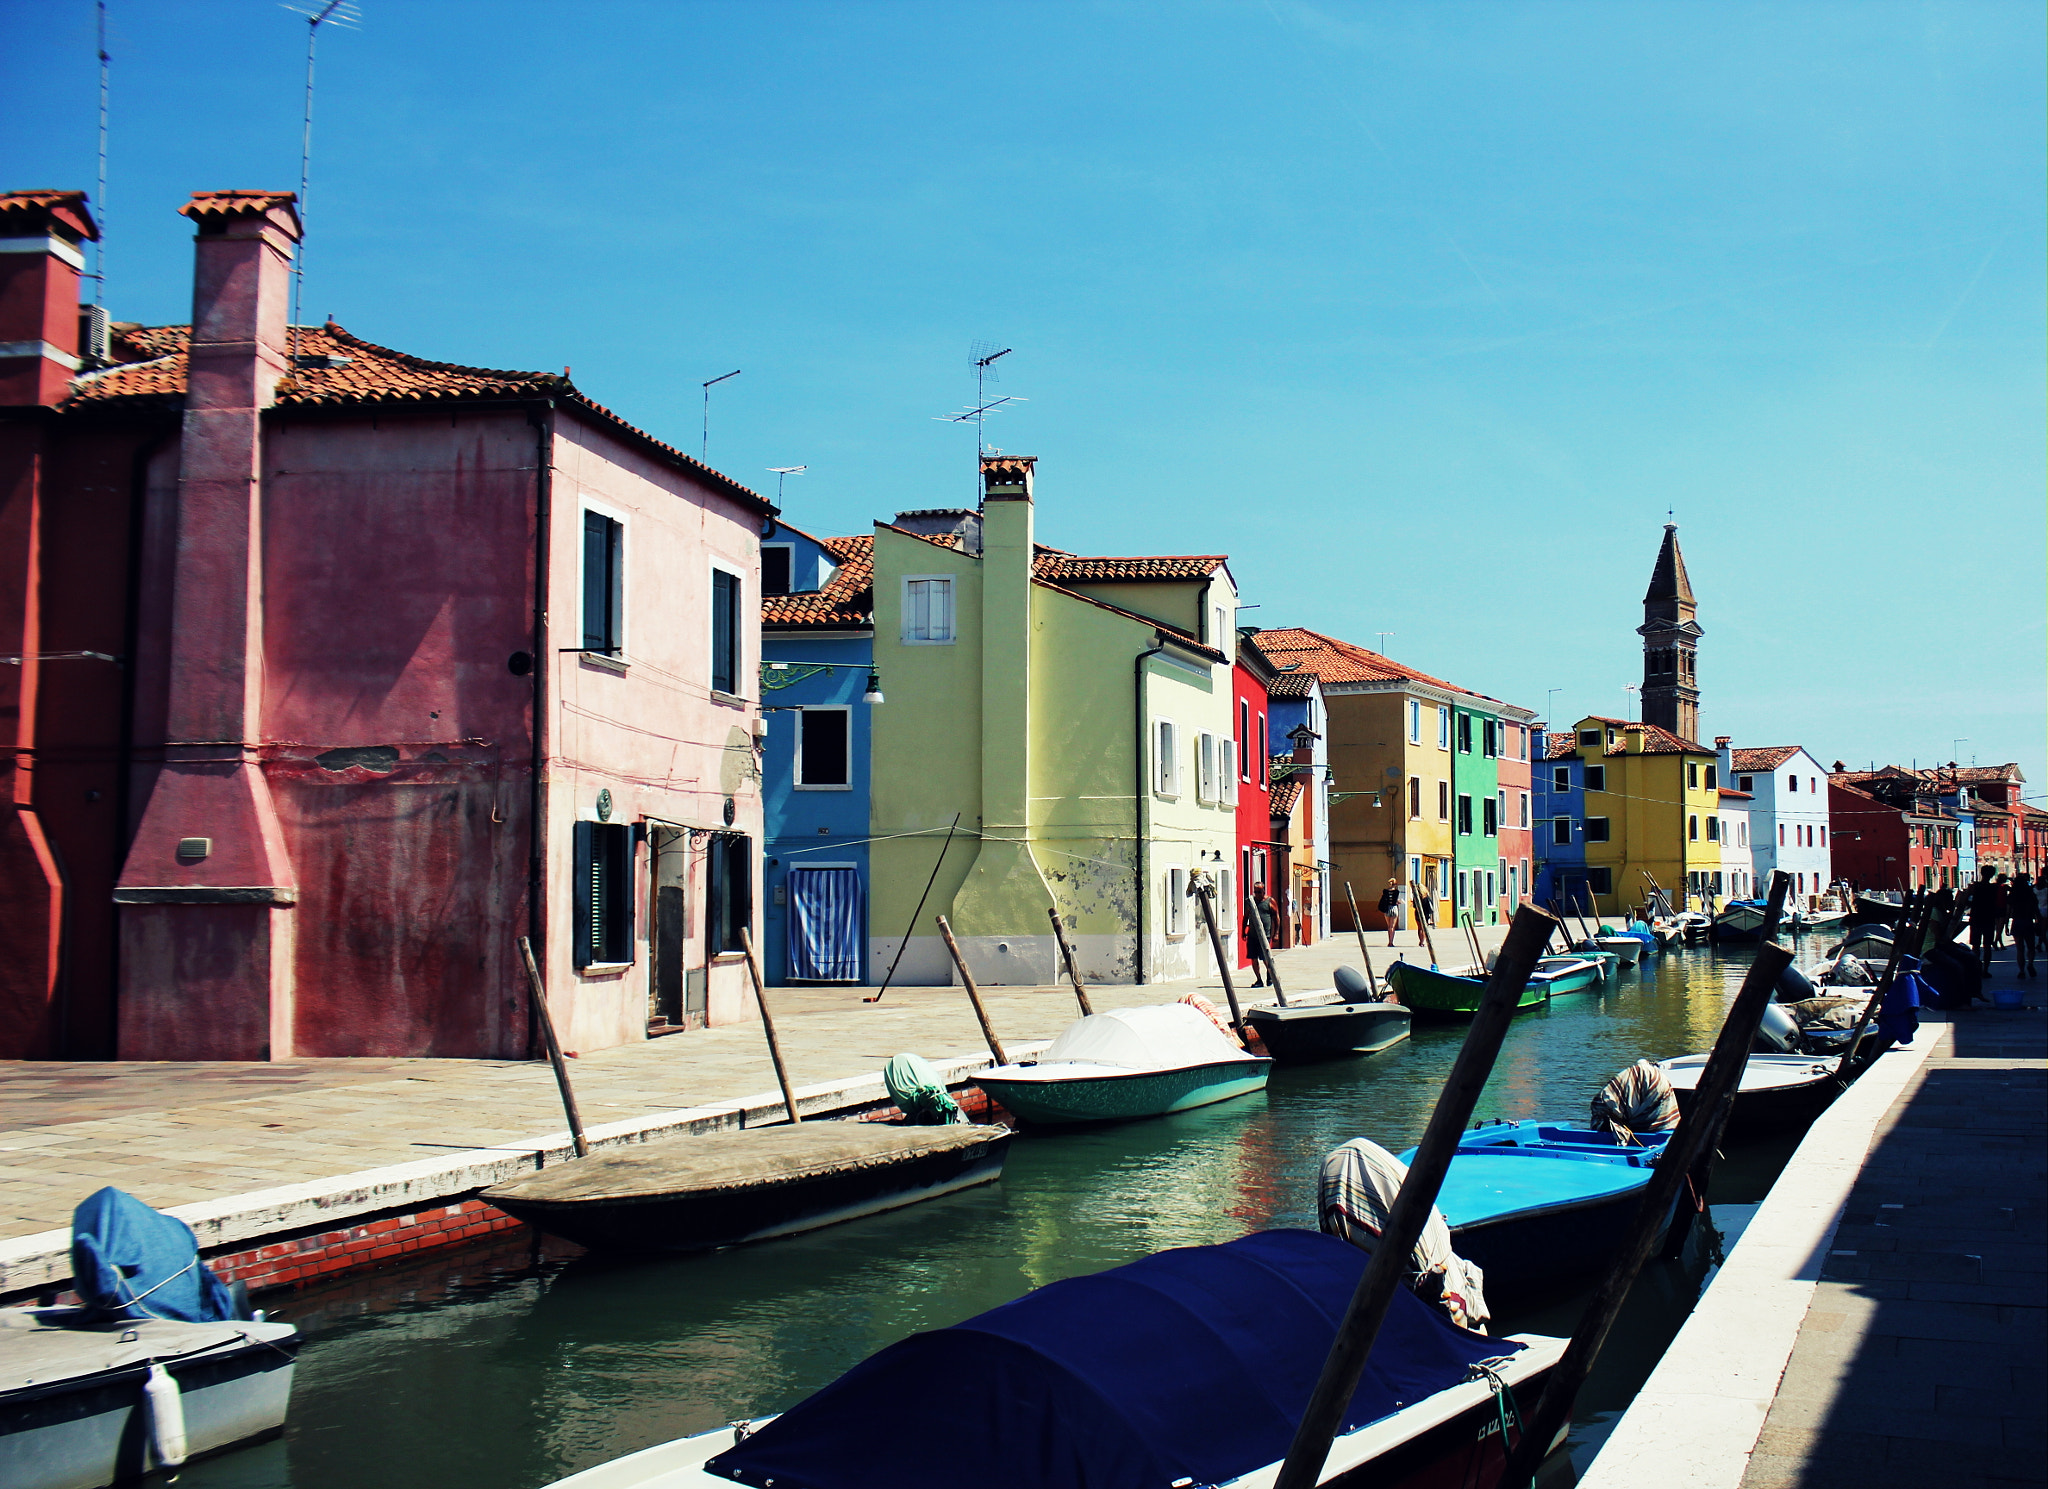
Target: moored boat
x=1127, y=1063
x=1190, y=1366
x=1628, y=950
x=1740, y=920
x=1431, y=994
x=1778, y=1093
x=1320, y=1027
x=1536, y=1203
x=722, y=1189
x=1568, y=974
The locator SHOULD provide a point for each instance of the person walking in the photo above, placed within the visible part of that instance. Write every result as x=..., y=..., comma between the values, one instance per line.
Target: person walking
x=1390, y=908
x=1269, y=926
x=2023, y=914
x=1987, y=916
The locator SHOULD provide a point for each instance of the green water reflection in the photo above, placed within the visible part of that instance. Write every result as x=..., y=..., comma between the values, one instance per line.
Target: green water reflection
x=512, y=1368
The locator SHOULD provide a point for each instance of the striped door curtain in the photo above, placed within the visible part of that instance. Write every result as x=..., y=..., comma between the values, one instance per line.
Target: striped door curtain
x=825, y=917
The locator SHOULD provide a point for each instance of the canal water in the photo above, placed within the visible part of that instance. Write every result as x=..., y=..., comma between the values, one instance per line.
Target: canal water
x=514, y=1364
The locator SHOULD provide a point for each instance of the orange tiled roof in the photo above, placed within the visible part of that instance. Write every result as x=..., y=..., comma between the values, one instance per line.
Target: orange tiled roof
x=1341, y=661
x=1292, y=684
x=1073, y=568
x=1764, y=757
x=357, y=373
x=223, y=206
x=847, y=600
x=1657, y=740
x=26, y=212
x=1284, y=796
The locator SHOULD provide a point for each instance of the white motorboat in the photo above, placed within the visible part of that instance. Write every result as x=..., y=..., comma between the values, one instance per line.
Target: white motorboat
x=1627, y=949
x=1126, y=1063
x=1777, y=1093
x=85, y=1403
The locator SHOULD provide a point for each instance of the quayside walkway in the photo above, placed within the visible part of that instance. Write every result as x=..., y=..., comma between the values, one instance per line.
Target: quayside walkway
x=1884, y=1318
x=249, y=1152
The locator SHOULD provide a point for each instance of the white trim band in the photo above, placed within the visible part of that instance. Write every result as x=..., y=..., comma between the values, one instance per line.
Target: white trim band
x=54, y=246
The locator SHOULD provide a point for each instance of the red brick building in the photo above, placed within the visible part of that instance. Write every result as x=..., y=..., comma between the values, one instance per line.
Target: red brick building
x=1910, y=843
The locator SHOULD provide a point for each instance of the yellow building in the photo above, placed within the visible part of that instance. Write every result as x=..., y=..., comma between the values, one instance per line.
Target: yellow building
x=1651, y=813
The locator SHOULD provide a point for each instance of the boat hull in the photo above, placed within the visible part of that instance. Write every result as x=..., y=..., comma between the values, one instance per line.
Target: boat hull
x=83, y=1433
x=1329, y=1031
x=1526, y=1254
x=1434, y=995
x=1626, y=948
x=1124, y=1096
x=703, y=1220
x=1589, y=980
x=1767, y=1110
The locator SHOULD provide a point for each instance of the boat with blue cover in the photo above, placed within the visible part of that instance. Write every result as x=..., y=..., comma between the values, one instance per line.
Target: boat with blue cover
x=1433, y=994
x=1191, y=1366
x=1536, y=1203
x=1124, y=1064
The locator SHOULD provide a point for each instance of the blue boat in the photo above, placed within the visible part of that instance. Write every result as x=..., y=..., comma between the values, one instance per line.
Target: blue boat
x=1534, y=1203
x=1191, y=1366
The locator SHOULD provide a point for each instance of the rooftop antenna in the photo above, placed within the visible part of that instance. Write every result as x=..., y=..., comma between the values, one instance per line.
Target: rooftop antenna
x=1383, y=635
x=333, y=12
x=981, y=355
x=1628, y=705
x=99, y=201
x=783, y=473
x=705, y=456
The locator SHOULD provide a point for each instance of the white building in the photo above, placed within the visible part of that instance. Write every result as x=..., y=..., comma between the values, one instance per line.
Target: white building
x=1737, y=879
x=1788, y=816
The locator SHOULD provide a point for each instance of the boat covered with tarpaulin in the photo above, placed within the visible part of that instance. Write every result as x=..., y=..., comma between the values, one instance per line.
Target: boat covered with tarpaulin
x=1191, y=1366
x=1127, y=1063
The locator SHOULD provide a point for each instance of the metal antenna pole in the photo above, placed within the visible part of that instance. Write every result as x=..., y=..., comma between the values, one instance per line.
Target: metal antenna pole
x=340, y=11
x=99, y=202
x=704, y=453
x=783, y=473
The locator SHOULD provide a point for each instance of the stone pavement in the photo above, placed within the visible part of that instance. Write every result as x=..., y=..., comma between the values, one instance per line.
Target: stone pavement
x=178, y=1134
x=1921, y=1359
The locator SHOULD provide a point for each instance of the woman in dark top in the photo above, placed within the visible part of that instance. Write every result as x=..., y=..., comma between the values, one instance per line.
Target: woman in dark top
x=1390, y=908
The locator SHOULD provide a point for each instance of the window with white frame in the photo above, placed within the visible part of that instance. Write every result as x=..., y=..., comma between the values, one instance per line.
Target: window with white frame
x=604, y=583
x=1166, y=757
x=1265, y=755
x=1414, y=722
x=1597, y=830
x=1227, y=768
x=1596, y=778
x=1560, y=778
x=1443, y=801
x=928, y=609
x=1244, y=739
x=824, y=754
x=1205, y=769
x=1713, y=829
x=1443, y=728
x=777, y=562
x=1525, y=809
x=726, y=632
x=1415, y=798
x=1560, y=829
x=1176, y=902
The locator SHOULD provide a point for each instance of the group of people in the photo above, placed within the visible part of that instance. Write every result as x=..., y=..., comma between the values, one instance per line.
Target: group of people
x=2001, y=906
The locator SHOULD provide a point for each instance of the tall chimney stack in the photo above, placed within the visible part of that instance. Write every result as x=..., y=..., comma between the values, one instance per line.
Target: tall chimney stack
x=40, y=266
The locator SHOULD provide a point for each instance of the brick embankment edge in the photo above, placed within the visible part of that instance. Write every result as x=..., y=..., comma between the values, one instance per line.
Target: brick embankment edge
x=1696, y=1420
x=297, y=1233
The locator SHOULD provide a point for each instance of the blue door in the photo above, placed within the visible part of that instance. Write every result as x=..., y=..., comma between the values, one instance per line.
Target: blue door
x=825, y=917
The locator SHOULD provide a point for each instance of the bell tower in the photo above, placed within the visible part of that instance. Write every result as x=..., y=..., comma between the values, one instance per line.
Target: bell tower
x=1671, y=637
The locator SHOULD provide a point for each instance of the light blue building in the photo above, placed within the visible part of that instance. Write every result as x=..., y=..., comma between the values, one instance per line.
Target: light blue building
x=818, y=690
x=1558, y=788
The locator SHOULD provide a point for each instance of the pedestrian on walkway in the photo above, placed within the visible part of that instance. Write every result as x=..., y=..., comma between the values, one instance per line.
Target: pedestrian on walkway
x=1390, y=908
x=1987, y=916
x=1269, y=922
x=2023, y=913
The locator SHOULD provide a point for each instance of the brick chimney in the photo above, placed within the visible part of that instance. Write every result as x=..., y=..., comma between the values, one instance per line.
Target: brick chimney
x=40, y=266
x=207, y=889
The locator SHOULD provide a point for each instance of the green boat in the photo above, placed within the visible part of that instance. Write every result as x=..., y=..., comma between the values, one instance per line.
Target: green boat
x=1126, y=1063
x=1568, y=974
x=1439, y=995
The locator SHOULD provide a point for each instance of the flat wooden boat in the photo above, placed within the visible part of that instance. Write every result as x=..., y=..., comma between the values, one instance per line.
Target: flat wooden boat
x=1192, y=1366
x=1628, y=950
x=1778, y=1093
x=694, y=1193
x=1320, y=1026
x=1536, y=1204
x=1442, y=996
x=76, y=1409
x=1568, y=974
x=1125, y=1064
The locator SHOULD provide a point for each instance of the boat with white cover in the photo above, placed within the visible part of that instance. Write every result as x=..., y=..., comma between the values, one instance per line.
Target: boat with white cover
x=1778, y=1093
x=1127, y=1063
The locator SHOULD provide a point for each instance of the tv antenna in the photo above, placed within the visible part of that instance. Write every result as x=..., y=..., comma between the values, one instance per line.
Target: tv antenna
x=705, y=456
x=783, y=473
x=981, y=356
x=1383, y=635
x=341, y=13
x=99, y=202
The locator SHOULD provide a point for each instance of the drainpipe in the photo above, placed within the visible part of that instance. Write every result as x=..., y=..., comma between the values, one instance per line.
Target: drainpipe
x=541, y=417
x=1144, y=800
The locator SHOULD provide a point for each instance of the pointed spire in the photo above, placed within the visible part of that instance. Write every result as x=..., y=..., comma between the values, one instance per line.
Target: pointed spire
x=1668, y=581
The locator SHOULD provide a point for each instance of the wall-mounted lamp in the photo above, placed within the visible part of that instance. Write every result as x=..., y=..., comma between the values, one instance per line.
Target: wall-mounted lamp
x=874, y=693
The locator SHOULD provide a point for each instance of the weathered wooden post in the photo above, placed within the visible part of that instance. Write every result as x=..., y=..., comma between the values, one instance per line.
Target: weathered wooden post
x=1349, y=1351
x=1255, y=927
x=1204, y=894
x=1059, y=933
x=1423, y=909
x=1371, y=982
x=768, y=1024
x=973, y=993
x=547, y=1034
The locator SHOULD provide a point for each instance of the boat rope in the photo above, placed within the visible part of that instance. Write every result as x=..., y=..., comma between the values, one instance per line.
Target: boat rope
x=1504, y=1405
x=131, y=1302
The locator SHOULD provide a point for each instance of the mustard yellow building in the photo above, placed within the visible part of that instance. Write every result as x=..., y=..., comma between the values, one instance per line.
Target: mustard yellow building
x=1651, y=811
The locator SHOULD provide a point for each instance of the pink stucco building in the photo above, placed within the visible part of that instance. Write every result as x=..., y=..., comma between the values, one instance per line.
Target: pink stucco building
x=341, y=671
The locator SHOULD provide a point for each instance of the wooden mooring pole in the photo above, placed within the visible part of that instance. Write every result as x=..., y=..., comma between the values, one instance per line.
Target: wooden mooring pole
x=988, y=1032
x=1204, y=895
x=1372, y=983
x=1425, y=908
x=554, y=1046
x=1059, y=934
x=768, y=1024
x=1306, y=1455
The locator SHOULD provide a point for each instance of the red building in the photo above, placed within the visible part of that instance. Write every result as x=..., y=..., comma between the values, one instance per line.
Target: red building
x=337, y=671
x=1517, y=838
x=1252, y=742
x=1880, y=844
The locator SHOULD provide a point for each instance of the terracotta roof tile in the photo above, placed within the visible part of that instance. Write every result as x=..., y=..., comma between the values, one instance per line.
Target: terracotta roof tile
x=1071, y=568
x=1727, y=795
x=846, y=602
x=1765, y=757
x=1292, y=684
x=1657, y=740
x=225, y=206
x=357, y=373
x=1334, y=661
x=1285, y=795
x=23, y=213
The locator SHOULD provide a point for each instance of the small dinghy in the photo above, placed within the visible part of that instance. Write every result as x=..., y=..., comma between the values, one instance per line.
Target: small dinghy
x=156, y=1366
x=1628, y=950
x=1740, y=920
x=1349, y=1019
x=1778, y=1093
x=1192, y=1366
x=694, y=1193
x=1568, y=974
x=1127, y=1063
x=1432, y=994
x=1536, y=1203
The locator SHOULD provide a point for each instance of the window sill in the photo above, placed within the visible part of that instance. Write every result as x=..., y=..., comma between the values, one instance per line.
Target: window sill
x=800, y=786
x=604, y=969
x=925, y=641
x=718, y=695
x=597, y=661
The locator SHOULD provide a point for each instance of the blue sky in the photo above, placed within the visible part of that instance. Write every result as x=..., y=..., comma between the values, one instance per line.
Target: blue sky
x=1424, y=313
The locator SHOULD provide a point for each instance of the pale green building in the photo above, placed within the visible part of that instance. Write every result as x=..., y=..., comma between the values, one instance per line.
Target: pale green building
x=1075, y=713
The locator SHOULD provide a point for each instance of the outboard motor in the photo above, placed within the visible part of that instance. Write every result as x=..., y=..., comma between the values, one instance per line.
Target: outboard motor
x=1352, y=986
x=1779, y=1031
x=1793, y=986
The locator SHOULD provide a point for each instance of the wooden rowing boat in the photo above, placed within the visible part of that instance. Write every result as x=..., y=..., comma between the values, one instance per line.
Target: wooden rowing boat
x=1440, y=995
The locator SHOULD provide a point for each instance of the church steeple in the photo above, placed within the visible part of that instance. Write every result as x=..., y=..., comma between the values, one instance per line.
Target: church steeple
x=1671, y=693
